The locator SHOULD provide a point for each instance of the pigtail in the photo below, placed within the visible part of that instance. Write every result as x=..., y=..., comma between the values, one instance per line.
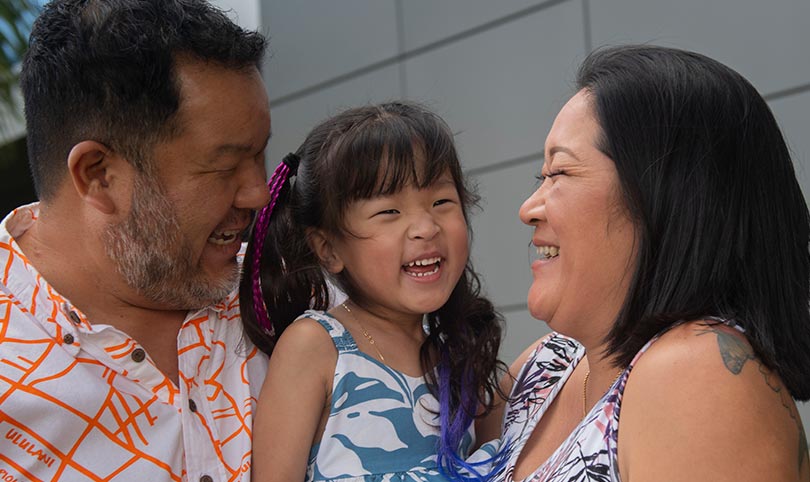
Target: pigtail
x=279, y=268
x=287, y=168
x=467, y=336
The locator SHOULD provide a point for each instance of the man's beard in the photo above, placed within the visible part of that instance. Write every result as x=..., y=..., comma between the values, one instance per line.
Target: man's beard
x=154, y=257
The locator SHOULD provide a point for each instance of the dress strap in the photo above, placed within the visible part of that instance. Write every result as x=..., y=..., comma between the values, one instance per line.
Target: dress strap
x=343, y=340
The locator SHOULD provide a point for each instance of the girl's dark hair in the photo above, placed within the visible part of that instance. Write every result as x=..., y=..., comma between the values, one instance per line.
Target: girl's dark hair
x=358, y=154
x=722, y=226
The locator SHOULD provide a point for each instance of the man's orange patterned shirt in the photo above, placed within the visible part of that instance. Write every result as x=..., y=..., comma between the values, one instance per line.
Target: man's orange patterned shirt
x=82, y=401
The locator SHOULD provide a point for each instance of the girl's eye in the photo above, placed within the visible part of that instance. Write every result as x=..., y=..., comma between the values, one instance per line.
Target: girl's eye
x=442, y=201
x=387, y=211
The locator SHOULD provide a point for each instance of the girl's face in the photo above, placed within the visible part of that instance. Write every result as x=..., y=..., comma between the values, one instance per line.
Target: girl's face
x=584, y=236
x=406, y=251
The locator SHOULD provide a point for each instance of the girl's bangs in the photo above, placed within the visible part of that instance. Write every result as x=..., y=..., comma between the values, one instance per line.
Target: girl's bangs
x=388, y=153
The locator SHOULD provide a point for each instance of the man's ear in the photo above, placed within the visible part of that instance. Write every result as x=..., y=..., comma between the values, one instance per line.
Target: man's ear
x=322, y=246
x=97, y=173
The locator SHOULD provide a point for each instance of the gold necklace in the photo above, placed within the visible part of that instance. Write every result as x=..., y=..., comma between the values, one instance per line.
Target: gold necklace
x=365, y=332
x=585, y=390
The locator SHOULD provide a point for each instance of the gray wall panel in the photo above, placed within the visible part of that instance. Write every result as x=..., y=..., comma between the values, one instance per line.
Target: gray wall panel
x=501, y=89
x=500, y=241
x=311, y=42
x=293, y=120
x=522, y=331
x=450, y=17
x=765, y=41
x=793, y=115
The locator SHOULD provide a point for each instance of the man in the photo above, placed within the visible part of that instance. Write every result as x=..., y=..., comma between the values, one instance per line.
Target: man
x=121, y=351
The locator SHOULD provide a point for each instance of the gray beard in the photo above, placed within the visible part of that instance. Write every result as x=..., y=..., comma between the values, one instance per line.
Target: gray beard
x=149, y=250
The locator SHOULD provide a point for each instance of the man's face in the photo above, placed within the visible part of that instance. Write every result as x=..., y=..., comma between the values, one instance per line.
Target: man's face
x=152, y=253
x=178, y=246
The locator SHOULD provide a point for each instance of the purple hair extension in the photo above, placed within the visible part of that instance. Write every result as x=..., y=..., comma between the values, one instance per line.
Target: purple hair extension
x=450, y=463
x=288, y=166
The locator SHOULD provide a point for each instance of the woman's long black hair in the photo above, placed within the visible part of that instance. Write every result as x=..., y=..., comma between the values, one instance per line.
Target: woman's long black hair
x=708, y=179
x=358, y=154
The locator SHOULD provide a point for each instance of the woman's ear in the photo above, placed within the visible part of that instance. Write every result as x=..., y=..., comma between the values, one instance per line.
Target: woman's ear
x=323, y=247
x=99, y=176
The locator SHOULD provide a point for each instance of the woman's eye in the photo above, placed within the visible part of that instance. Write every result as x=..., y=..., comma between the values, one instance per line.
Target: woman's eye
x=542, y=177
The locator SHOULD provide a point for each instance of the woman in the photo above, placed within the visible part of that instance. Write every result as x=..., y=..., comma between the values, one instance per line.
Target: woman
x=672, y=240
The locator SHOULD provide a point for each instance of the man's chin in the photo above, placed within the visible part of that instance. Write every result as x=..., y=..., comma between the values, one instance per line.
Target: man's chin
x=191, y=292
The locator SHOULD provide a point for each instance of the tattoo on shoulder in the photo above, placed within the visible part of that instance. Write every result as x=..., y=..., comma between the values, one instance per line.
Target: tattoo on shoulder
x=735, y=353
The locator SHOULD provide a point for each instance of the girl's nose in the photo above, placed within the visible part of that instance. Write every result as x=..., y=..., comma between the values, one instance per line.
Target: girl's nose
x=423, y=227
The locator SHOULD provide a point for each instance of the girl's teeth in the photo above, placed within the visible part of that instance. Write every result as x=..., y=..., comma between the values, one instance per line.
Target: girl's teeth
x=424, y=262
x=428, y=273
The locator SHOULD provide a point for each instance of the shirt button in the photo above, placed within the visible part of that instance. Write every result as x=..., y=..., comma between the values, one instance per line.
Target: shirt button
x=68, y=339
x=138, y=355
x=74, y=317
x=206, y=478
x=193, y=407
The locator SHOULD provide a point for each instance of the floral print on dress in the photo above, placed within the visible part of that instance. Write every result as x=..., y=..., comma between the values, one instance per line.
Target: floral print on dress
x=590, y=451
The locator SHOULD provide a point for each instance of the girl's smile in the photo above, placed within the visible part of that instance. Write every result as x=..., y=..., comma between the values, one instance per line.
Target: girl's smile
x=406, y=250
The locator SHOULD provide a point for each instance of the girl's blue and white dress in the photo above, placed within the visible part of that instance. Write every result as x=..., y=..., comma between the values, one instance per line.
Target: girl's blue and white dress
x=383, y=424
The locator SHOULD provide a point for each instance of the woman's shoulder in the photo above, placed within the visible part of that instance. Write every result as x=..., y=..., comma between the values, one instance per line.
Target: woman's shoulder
x=700, y=351
x=702, y=395
x=710, y=358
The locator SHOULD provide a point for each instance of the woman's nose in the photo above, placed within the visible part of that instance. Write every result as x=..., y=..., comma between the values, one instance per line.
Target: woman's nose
x=533, y=209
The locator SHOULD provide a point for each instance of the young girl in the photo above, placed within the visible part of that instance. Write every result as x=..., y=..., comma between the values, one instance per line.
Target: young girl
x=385, y=385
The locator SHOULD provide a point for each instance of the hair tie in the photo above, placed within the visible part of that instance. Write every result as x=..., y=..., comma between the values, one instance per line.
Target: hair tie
x=285, y=170
x=292, y=160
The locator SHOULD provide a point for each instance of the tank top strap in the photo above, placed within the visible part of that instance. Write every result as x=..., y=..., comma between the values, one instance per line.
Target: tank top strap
x=343, y=340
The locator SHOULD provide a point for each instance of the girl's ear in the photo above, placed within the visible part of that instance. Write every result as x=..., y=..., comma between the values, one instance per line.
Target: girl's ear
x=321, y=244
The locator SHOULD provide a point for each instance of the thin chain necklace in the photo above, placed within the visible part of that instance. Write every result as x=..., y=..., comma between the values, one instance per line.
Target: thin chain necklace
x=585, y=390
x=365, y=332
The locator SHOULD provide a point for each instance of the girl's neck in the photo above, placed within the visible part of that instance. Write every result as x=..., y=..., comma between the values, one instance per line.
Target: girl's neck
x=385, y=320
x=397, y=343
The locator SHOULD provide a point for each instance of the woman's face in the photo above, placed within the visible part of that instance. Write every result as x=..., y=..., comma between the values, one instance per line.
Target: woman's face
x=583, y=234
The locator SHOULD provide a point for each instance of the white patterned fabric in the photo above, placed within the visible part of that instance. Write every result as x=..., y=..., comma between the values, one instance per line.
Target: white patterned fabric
x=82, y=401
x=589, y=452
